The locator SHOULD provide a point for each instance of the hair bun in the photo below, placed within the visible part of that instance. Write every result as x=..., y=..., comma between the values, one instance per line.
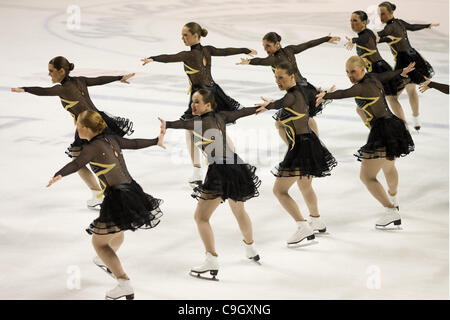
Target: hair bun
x=72, y=66
x=278, y=37
x=204, y=32
x=393, y=6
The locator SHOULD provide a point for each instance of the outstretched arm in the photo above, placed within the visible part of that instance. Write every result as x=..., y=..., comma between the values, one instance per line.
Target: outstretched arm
x=427, y=84
x=310, y=44
x=98, y=81
x=86, y=154
x=179, y=124
x=57, y=90
x=416, y=27
x=268, y=61
x=388, y=75
x=125, y=143
x=167, y=58
x=232, y=116
x=229, y=51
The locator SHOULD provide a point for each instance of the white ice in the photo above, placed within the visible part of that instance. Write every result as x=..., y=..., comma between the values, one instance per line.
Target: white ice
x=43, y=246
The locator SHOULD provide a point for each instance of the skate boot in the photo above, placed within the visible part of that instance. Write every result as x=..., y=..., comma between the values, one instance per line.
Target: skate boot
x=393, y=200
x=99, y=263
x=211, y=264
x=123, y=289
x=317, y=224
x=416, y=122
x=391, y=215
x=251, y=252
x=303, y=232
x=196, y=178
x=96, y=201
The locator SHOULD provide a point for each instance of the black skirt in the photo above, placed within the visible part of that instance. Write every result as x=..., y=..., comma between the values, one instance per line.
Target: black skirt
x=307, y=156
x=236, y=181
x=115, y=125
x=388, y=138
x=393, y=86
x=423, y=68
x=126, y=207
x=310, y=92
x=224, y=102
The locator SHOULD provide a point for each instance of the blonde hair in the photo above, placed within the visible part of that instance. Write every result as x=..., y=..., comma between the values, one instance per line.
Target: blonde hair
x=92, y=120
x=356, y=60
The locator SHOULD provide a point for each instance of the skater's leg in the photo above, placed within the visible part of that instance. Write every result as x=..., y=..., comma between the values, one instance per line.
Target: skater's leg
x=106, y=253
x=203, y=212
x=89, y=178
x=193, y=150
x=245, y=224
x=117, y=241
x=396, y=107
x=313, y=125
x=281, y=131
x=368, y=175
x=391, y=175
x=305, y=186
x=413, y=98
x=281, y=191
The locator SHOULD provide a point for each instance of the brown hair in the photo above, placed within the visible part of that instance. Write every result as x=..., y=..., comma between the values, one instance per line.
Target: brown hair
x=195, y=28
x=389, y=6
x=208, y=97
x=286, y=66
x=92, y=120
x=357, y=60
x=272, y=37
x=61, y=62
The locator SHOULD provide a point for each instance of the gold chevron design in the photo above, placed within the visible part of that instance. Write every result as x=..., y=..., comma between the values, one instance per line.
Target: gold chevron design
x=291, y=133
x=370, y=116
x=67, y=104
x=369, y=52
x=107, y=168
x=190, y=70
x=204, y=141
x=396, y=39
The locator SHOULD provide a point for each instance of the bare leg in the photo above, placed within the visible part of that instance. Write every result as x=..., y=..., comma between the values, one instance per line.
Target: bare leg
x=368, y=175
x=103, y=248
x=413, y=98
x=313, y=125
x=245, y=224
x=116, y=242
x=305, y=186
x=391, y=175
x=193, y=151
x=396, y=106
x=89, y=178
x=203, y=212
x=281, y=131
x=281, y=191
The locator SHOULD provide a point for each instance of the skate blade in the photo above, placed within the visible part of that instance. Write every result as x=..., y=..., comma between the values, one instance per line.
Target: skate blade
x=311, y=241
x=321, y=232
x=200, y=276
x=195, y=184
x=256, y=259
x=127, y=297
x=96, y=207
x=394, y=225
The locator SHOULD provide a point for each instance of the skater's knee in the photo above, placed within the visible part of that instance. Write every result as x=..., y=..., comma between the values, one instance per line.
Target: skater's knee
x=366, y=179
x=200, y=218
x=278, y=192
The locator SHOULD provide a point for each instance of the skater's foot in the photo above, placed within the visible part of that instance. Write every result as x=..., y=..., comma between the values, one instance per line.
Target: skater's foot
x=394, y=200
x=391, y=215
x=416, y=122
x=123, y=289
x=196, y=178
x=251, y=252
x=211, y=264
x=96, y=201
x=303, y=232
x=99, y=263
x=317, y=224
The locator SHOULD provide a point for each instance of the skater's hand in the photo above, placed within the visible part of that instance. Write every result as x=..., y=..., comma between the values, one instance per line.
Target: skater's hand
x=408, y=69
x=265, y=103
x=261, y=110
x=53, y=180
x=424, y=85
x=163, y=125
x=161, y=140
x=126, y=77
x=392, y=37
x=244, y=61
x=320, y=95
x=434, y=25
x=349, y=44
x=17, y=90
x=333, y=40
x=146, y=60
x=252, y=52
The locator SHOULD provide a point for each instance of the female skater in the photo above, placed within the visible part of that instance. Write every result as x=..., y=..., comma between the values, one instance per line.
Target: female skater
x=395, y=34
x=197, y=65
x=228, y=176
x=366, y=48
x=278, y=54
x=74, y=96
x=306, y=157
x=388, y=137
x=126, y=205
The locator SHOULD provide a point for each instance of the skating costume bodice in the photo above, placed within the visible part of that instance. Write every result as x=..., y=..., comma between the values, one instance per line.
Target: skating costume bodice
x=369, y=95
x=73, y=92
x=197, y=62
x=293, y=114
x=288, y=54
x=398, y=29
x=104, y=154
x=210, y=132
x=366, y=48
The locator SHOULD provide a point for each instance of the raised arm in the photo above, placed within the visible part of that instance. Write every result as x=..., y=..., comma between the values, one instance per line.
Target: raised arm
x=167, y=58
x=97, y=81
x=57, y=90
x=227, y=51
x=306, y=45
x=232, y=116
x=415, y=27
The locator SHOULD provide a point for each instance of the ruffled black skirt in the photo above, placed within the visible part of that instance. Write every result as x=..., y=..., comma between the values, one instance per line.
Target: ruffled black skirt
x=388, y=138
x=223, y=101
x=236, y=181
x=115, y=125
x=393, y=86
x=310, y=92
x=126, y=207
x=306, y=157
x=423, y=68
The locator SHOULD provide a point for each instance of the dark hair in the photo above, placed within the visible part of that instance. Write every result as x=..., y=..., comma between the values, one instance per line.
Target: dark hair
x=195, y=28
x=287, y=66
x=61, y=62
x=362, y=15
x=208, y=97
x=272, y=37
x=389, y=6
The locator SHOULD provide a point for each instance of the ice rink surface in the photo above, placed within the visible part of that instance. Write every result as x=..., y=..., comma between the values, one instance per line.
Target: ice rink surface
x=45, y=252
